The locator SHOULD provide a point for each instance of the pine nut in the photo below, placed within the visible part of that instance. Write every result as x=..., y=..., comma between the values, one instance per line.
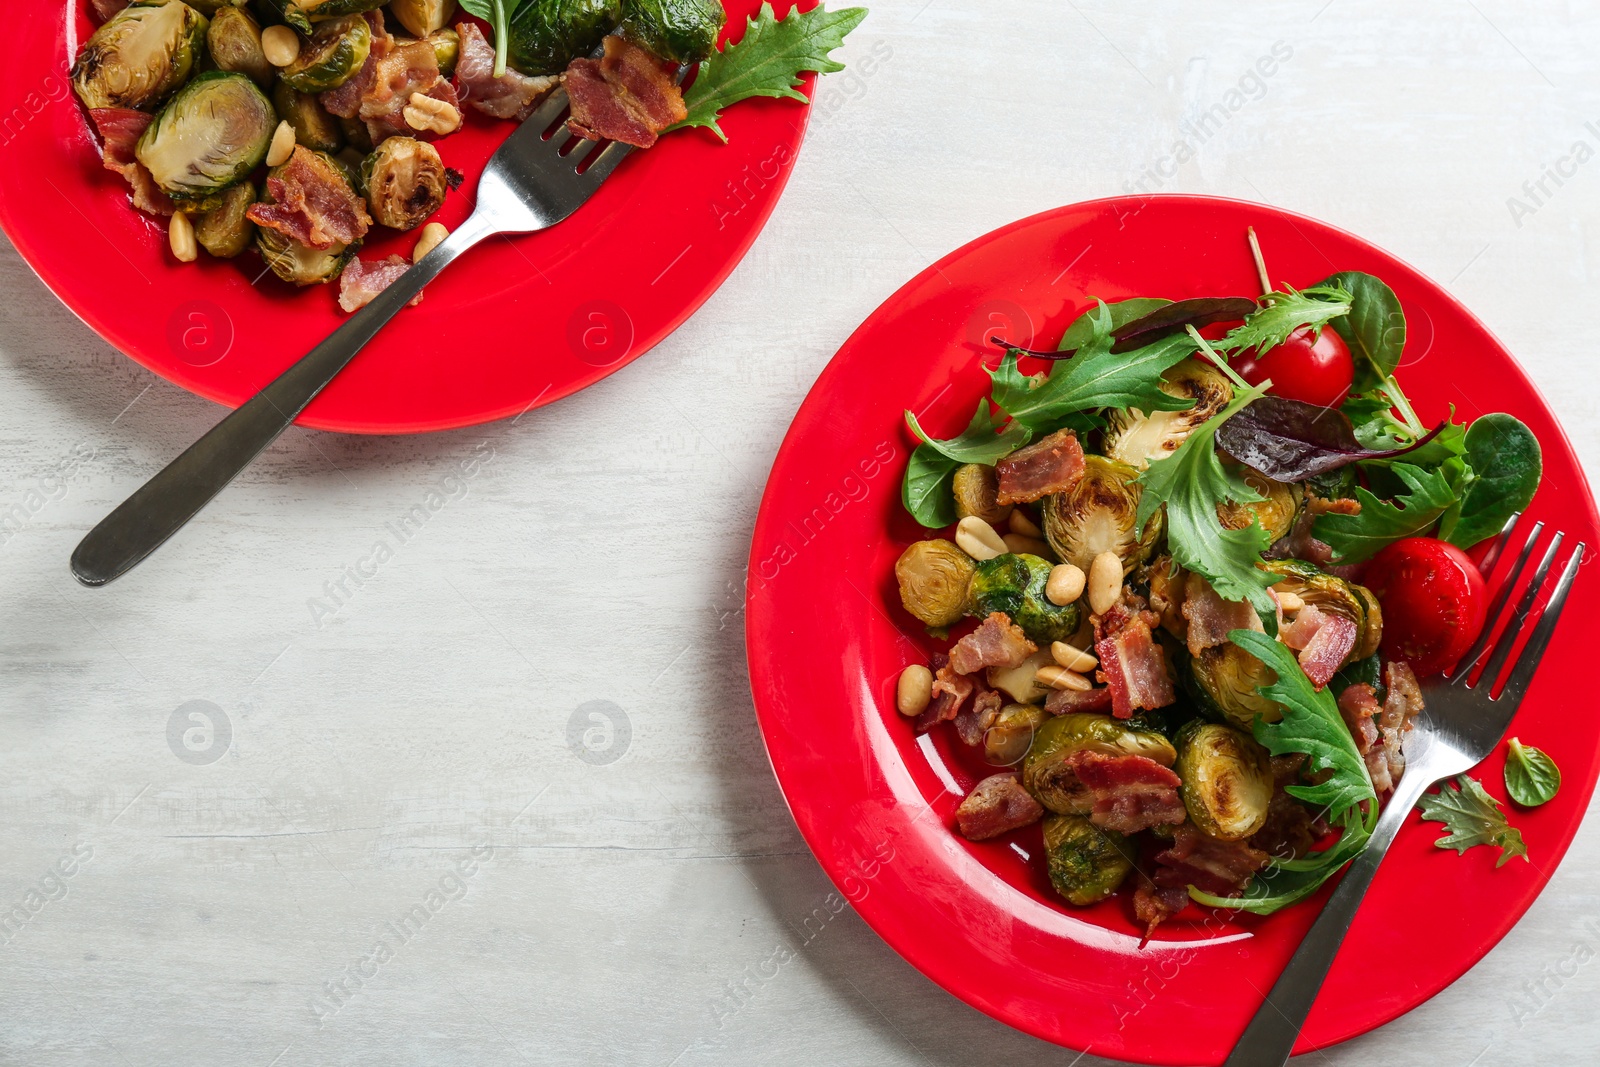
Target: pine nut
x=180, y=235
x=1031, y=545
x=1021, y=524
x=1105, y=582
x=282, y=145
x=1071, y=658
x=978, y=539
x=434, y=116
x=1065, y=584
x=914, y=691
x=1290, y=602
x=1061, y=678
x=433, y=234
x=280, y=45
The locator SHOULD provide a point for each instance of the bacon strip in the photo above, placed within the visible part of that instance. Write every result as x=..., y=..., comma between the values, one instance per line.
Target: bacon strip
x=950, y=691
x=120, y=129
x=1401, y=704
x=628, y=95
x=345, y=100
x=972, y=723
x=1290, y=830
x=996, y=805
x=1129, y=793
x=1210, y=618
x=1222, y=868
x=361, y=281
x=104, y=9
x=407, y=69
x=1065, y=701
x=1358, y=704
x=1154, y=905
x=997, y=642
x=312, y=203
x=1328, y=647
x=1134, y=668
x=513, y=95
x=1048, y=466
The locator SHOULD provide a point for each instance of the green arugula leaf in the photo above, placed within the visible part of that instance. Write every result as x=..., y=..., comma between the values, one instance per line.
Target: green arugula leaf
x=1081, y=332
x=1357, y=538
x=1473, y=818
x=1192, y=482
x=926, y=491
x=1285, y=313
x=1375, y=329
x=1092, y=379
x=767, y=61
x=1532, y=777
x=1505, y=466
x=498, y=14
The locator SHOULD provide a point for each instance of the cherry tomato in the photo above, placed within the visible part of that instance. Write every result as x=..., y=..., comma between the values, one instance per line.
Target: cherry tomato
x=1433, y=602
x=1309, y=366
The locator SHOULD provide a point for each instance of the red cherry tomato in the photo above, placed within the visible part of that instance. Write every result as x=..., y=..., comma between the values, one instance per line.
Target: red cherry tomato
x=1433, y=602
x=1309, y=366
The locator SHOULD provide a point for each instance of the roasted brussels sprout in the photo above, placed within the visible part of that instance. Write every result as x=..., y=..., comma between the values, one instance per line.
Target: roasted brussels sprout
x=210, y=8
x=223, y=230
x=321, y=10
x=301, y=264
x=234, y=40
x=313, y=126
x=684, y=31
x=1006, y=743
x=1334, y=596
x=214, y=132
x=934, y=576
x=140, y=56
x=546, y=35
x=1086, y=863
x=1014, y=583
x=1226, y=682
x=976, y=488
x=446, y=50
x=1055, y=785
x=1333, y=485
x=404, y=181
x=1276, y=513
x=1227, y=780
x=1134, y=438
x=422, y=17
x=1100, y=514
x=331, y=56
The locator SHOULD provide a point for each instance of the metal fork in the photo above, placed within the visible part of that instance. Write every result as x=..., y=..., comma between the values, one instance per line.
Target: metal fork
x=528, y=186
x=1461, y=725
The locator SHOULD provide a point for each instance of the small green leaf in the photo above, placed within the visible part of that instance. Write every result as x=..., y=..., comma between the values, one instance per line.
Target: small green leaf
x=1532, y=777
x=1506, y=466
x=1081, y=332
x=1473, y=818
x=1375, y=329
x=1357, y=538
x=926, y=490
x=1283, y=314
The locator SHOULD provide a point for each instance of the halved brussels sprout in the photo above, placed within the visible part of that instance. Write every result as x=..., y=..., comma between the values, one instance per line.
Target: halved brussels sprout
x=1333, y=485
x=934, y=576
x=214, y=132
x=1100, y=514
x=1006, y=743
x=546, y=35
x=321, y=10
x=313, y=126
x=422, y=17
x=223, y=230
x=976, y=488
x=446, y=50
x=331, y=56
x=235, y=43
x=301, y=264
x=1334, y=596
x=1276, y=513
x=404, y=181
x=1021, y=682
x=1056, y=785
x=684, y=31
x=1227, y=780
x=1014, y=583
x=1086, y=863
x=140, y=56
x=1134, y=438
x=1226, y=682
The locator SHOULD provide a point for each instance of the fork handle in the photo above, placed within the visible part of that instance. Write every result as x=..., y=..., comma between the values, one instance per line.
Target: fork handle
x=1271, y=1035
x=166, y=502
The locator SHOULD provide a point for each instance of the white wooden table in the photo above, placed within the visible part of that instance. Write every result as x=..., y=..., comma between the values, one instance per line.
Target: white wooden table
x=551, y=669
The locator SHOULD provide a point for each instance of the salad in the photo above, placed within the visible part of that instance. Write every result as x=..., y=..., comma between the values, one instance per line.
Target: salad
x=297, y=127
x=1185, y=573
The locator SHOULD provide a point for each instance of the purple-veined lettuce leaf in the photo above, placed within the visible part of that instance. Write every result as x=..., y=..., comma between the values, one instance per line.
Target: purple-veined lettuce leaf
x=1290, y=440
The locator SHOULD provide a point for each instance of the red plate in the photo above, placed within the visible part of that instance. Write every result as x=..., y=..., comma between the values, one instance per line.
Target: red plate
x=519, y=323
x=876, y=805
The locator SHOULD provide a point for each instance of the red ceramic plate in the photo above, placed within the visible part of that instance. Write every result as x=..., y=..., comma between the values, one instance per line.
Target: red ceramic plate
x=827, y=639
x=520, y=322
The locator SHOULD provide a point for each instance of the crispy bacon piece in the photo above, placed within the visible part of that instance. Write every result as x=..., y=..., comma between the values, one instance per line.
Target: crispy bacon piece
x=513, y=95
x=1154, y=905
x=1222, y=868
x=1290, y=830
x=1401, y=704
x=627, y=95
x=1064, y=701
x=1210, y=618
x=312, y=203
x=997, y=642
x=1129, y=793
x=345, y=101
x=1134, y=668
x=120, y=129
x=104, y=9
x=1045, y=467
x=408, y=69
x=1328, y=648
x=972, y=723
x=996, y=805
x=1297, y=633
x=950, y=691
x=361, y=281
x=1359, y=706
